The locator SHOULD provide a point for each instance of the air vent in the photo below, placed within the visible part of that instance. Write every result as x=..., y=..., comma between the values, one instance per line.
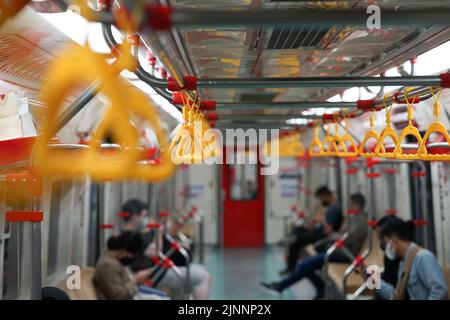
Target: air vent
x=296, y=37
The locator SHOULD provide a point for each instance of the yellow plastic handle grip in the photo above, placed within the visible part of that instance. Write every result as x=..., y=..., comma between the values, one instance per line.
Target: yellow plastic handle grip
x=141, y=106
x=380, y=150
x=344, y=145
x=437, y=127
x=328, y=145
x=79, y=65
x=398, y=151
x=316, y=147
x=371, y=134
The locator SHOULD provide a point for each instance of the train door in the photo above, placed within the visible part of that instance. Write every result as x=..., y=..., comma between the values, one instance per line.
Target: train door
x=243, y=209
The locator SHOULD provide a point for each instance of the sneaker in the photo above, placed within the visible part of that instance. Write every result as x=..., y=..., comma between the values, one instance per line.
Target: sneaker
x=272, y=287
x=285, y=272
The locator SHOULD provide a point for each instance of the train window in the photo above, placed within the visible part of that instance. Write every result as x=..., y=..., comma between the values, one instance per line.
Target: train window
x=244, y=182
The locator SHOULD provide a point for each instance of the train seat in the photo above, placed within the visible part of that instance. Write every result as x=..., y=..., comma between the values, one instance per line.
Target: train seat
x=336, y=270
x=87, y=291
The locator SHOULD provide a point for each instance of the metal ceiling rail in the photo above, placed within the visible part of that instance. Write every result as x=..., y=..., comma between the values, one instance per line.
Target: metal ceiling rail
x=299, y=82
x=283, y=105
x=318, y=82
x=255, y=126
x=266, y=117
x=198, y=18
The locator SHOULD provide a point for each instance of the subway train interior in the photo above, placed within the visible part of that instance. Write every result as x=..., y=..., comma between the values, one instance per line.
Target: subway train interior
x=224, y=150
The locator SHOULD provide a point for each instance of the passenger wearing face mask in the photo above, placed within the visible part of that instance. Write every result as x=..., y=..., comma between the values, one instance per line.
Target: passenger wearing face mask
x=320, y=226
x=420, y=277
x=390, y=270
x=135, y=219
x=111, y=279
x=135, y=215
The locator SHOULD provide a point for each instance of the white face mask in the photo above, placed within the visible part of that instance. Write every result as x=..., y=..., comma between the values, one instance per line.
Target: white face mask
x=144, y=222
x=389, y=251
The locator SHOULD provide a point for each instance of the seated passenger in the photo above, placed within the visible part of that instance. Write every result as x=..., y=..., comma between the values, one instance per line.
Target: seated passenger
x=200, y=279
x=318, y=229
x=390, y=268
x=111, y=279
x=420, y=277
x=357, y=233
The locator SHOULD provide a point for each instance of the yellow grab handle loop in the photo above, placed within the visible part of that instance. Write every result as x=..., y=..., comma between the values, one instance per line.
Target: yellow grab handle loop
x=346, y=146
x=409, y=130
x=438, y=127
x=328, y=144
x=79, y=65
x=291, y=145
x=141, y=106
x=388, y=131
x=316, y=147
x=371, y=134
x=116, y=122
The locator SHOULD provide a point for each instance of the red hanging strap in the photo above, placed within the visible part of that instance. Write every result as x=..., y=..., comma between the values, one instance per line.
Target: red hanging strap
x=24, y=216
x=159, y=17
x=189, y=83
x=417, y=174
x=445, y=80
x=106, y=226
x=390, y=212
x=372, y=223
x=373, y=175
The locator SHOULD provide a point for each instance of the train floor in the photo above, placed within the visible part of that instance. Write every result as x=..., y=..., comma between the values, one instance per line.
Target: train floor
x=236, y=274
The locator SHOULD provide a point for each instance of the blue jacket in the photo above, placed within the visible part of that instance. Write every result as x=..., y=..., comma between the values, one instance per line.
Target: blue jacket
x=426, y=280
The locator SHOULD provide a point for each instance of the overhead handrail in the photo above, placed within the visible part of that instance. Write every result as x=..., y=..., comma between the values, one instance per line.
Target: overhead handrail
x=409, y=130
x=388, y=131
x=371, y=134
x=435, y=126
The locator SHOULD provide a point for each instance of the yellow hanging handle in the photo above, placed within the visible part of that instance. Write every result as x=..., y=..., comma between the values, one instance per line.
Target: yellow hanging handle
x=79, y=66
x=388, y=131
x=371, y=134
x=141, y=106
x=316, y=147
x=346, y=146
x=435, y=126
x=328, y=144
x=291, y=145
x=186, y=146
x=10, y=8
x=409, y=130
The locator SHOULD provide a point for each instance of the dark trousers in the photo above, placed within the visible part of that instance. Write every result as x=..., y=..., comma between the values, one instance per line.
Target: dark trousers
x=307, y=268
x=303, y=237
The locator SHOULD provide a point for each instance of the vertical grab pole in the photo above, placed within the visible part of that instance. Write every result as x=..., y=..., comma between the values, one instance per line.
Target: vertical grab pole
x=202, y=241
x=36, y=251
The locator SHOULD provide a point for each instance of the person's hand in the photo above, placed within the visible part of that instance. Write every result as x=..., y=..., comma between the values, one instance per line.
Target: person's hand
x=141, y=276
